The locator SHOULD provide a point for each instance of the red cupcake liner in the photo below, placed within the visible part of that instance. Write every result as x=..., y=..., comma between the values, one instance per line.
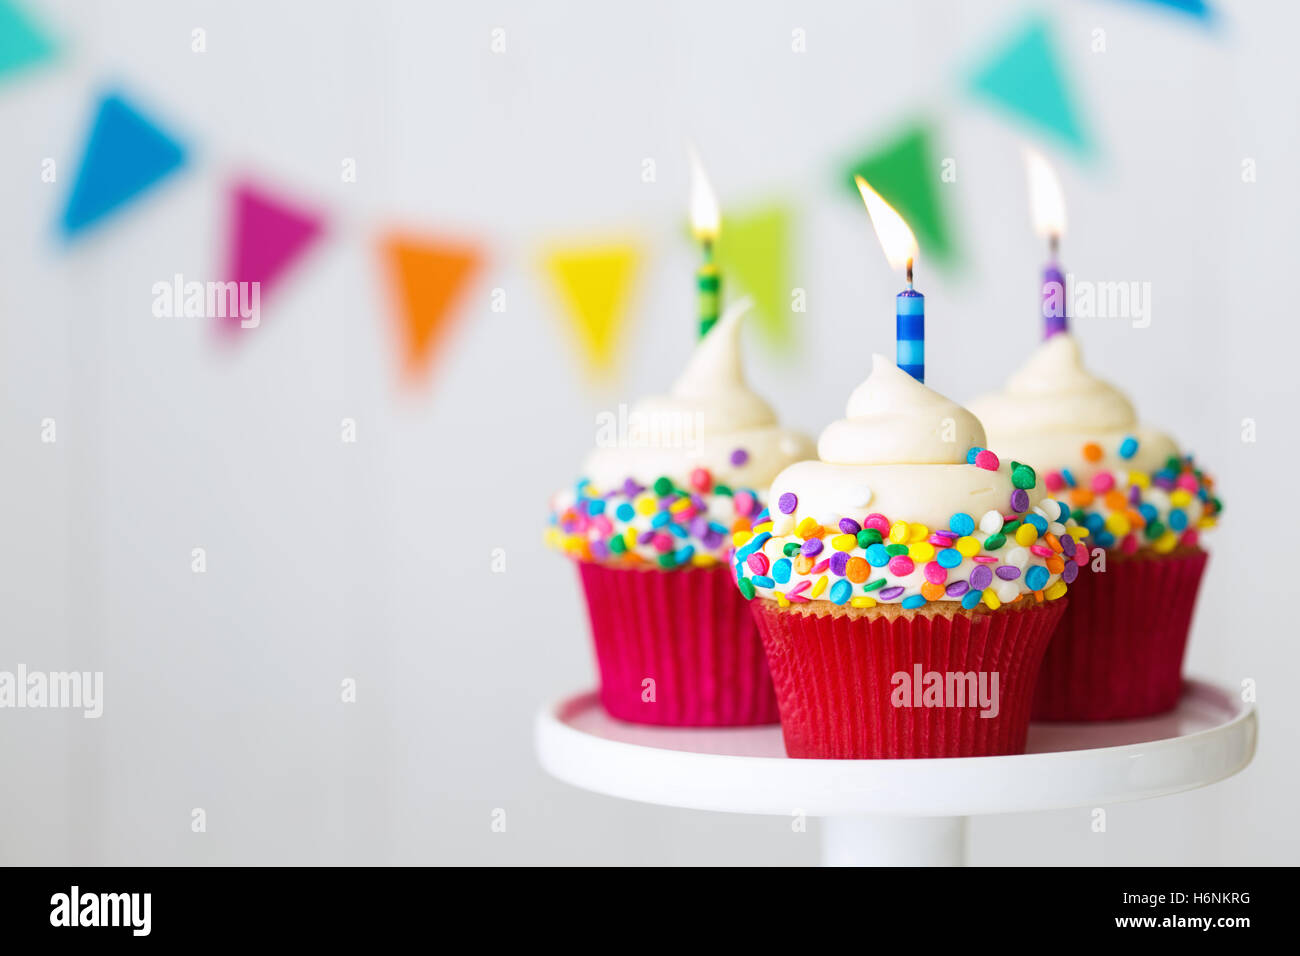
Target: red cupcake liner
x=690, y=632
x=834, y=677
x=1118, y=651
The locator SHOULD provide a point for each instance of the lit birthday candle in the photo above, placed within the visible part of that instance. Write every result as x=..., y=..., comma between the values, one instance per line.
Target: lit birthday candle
x=1047, y=205
x=705, y=224
x=900, y=249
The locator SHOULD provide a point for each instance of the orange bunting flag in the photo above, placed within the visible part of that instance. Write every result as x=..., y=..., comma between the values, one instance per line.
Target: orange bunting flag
x=429, y=278
x=594, y=282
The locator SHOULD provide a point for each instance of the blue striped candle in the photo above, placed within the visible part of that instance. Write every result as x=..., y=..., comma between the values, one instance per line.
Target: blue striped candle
x=911, y=331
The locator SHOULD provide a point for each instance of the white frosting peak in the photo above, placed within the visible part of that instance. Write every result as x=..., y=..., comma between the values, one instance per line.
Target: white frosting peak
x=894, y=419
x=1054, y=391
x=714, y=379
x=710, y=414
x=1053, y=406
x=901, y=452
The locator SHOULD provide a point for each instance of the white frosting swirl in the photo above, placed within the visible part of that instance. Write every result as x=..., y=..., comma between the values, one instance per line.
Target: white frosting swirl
x=709, y=415
x=1053, y=406
x=901, y=451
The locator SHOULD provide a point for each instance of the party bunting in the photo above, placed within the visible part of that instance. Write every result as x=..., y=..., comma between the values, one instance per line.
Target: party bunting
x=268, y=235
x=126, y=155
x=594, y=283
x=1196, y=8
x=1023, y=77
x=430, y=277
x=22, y=42
x=907, y=173
x=753, y=255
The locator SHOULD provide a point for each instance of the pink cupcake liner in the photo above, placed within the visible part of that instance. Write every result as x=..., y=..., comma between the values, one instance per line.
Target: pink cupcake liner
x=690, y=632
x=834, y=677
x=1118, y=651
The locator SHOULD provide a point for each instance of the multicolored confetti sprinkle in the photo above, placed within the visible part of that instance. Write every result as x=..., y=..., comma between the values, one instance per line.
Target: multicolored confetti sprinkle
x=665, y=525
x=1129, y=511
x=1026, y=552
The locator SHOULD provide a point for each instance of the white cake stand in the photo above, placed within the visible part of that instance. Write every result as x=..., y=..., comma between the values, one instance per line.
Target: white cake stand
x=899, y=812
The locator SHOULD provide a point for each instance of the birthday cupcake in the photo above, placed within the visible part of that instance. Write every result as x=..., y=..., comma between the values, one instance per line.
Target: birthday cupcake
x=650, y=525
x=907, y=582
x=1118, y=651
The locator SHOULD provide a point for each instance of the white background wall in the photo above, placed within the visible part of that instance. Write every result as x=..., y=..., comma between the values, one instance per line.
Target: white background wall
x=371, y=561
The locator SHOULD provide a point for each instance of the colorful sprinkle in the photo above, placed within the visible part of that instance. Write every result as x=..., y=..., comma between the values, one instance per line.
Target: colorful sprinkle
x=877, y=522
x=921, y=551
x=808, y=528
x=739, y=456
x=869, y=536
x=991, y=522
x=901, y=566
x=1036, y=577
x=1022, y=476
x=963, y=524
x=787, y=503
x=987, y=460
x=949, y=558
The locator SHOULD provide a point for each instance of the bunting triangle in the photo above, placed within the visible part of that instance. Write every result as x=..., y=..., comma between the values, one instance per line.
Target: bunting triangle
x=1196, y=8
x=267, y=236
x=429, y=277
x=906, y=172
x=594, y=283
x=22, y=42
x=126, y=155
x=1023, y=76
x=753, y=253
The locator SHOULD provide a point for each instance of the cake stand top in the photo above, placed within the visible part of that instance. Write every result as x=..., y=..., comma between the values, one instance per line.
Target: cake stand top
x=1209, y=736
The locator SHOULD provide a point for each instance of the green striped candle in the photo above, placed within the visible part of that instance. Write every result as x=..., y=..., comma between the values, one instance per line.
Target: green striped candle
x=708, y=287
x=706, y=219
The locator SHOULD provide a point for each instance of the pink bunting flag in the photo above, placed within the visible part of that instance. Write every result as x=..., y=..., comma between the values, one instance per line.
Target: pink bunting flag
x=267, y=236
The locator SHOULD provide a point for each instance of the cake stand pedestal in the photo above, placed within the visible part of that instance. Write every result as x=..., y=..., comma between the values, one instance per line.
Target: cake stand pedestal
x=898, y=812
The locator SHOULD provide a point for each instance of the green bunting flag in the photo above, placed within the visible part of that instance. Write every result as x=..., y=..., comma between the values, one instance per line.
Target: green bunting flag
x=753, y=257
x=907, y=172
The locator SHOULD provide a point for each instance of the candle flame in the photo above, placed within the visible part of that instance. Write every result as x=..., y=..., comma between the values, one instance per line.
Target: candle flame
x=705, y=217
x=893, y=232
x=1046, y=198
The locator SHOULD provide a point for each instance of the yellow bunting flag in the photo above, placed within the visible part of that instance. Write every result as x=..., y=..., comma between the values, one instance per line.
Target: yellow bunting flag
x=595, y=283
x=429, y=277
